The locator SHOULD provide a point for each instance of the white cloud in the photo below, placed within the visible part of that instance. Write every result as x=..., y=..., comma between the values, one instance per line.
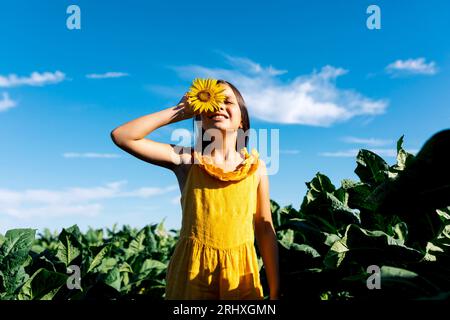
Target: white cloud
x=311, y=99
x=340, y=154
x=353, y=152
x=252, y=67
x=367, y=141
x=91, y=155
x=411, y=67
x=6, y=102
x=106, y=75
x=289, y=151
x=36, y=203
x=35, y=79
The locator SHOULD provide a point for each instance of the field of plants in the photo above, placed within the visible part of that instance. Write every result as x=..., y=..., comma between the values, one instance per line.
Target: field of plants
x=390, y=229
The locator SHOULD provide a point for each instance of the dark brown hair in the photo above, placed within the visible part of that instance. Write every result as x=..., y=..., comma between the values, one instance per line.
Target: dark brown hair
x=244, y=118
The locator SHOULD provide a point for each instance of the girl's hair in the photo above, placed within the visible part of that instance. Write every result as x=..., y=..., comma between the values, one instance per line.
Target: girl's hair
x=244, y=118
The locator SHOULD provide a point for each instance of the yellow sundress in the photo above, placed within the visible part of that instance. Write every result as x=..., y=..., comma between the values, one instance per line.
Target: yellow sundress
x=215, y=256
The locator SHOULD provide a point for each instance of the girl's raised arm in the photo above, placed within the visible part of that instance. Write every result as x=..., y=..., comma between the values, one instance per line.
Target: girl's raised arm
x=131, y=136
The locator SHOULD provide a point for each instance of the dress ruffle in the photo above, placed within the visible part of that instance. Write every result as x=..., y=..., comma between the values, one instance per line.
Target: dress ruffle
x=244, y=169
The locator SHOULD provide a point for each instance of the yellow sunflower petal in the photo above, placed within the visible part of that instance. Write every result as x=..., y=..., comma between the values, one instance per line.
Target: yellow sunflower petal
x=206, y=95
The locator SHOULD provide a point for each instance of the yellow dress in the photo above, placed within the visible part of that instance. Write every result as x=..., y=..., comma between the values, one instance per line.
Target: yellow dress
x=215, y=256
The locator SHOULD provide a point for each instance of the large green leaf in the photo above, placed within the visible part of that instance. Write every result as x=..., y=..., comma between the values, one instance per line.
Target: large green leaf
x=306, y=229
x=357, y=194
x=403, y=158
x=42, y=285
x=113, y=279
x=136, y=245
x=371, y=168
x=318, y=185
x=153, y=267
x=15, y=248
x=337, y=254
x=306, y=249
x=107, y=264
x=99, y=257
x=13, y=258
x=377, y=247
x=68, y=247
x=287, y=237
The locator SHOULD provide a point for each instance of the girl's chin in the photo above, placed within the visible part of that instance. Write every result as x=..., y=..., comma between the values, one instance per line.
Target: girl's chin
x=220, y=126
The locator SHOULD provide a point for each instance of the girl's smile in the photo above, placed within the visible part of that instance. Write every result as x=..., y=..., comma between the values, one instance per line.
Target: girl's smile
x=218, y=116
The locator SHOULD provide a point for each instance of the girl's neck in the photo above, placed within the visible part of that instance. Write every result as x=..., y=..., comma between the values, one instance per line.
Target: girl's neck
x=223, y=151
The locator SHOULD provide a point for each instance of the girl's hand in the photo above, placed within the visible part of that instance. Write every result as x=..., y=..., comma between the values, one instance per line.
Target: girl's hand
x=185, y=108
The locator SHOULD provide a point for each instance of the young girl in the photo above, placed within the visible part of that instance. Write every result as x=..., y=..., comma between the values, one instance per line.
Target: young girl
x=225, y=202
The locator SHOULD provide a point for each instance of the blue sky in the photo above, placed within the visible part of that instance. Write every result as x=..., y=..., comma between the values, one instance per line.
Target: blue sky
x=311, y=69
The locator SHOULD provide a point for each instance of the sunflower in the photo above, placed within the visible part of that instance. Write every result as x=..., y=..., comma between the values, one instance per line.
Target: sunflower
x=205, y=95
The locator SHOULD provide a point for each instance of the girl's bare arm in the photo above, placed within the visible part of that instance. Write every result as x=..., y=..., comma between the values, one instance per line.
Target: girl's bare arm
x=265, y=234
x=131, y=136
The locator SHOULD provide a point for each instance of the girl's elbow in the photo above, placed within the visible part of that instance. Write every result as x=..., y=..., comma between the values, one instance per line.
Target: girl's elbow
x=116, y=136
x=113, y=136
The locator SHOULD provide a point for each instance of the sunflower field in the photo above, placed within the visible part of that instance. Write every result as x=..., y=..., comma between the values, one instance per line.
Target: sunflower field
x=382, y=237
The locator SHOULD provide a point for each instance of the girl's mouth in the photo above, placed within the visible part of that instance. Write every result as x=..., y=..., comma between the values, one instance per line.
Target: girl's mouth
x=218, y=117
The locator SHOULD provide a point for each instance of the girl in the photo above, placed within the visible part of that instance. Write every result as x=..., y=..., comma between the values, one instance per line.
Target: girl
x=224, y=198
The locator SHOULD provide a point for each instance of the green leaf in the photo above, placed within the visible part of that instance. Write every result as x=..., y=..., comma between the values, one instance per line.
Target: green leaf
x=377, y=247
x=16, y=246
x=160, y=231
x=401, y=230
x=153, y=267
x=358, y=193
x=13, y=258
x=107, y=264
x=337, y=254
x=136, y=245
x=432, y=252
x=287, y=238
x=113, y=278
x=331, y=239
x=347, y=214
x=371, y=168
x=390, y=272
x=99, y=257
x=42, y=285
x=322, y=183
x=306, y=229
x=306, y=249
x=68, y=247
x=125, y=267
x=94, y=237
x=444, y=214
x=274, y=206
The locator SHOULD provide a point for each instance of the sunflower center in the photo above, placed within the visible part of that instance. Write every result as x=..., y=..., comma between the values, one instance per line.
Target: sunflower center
x=204, y=96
